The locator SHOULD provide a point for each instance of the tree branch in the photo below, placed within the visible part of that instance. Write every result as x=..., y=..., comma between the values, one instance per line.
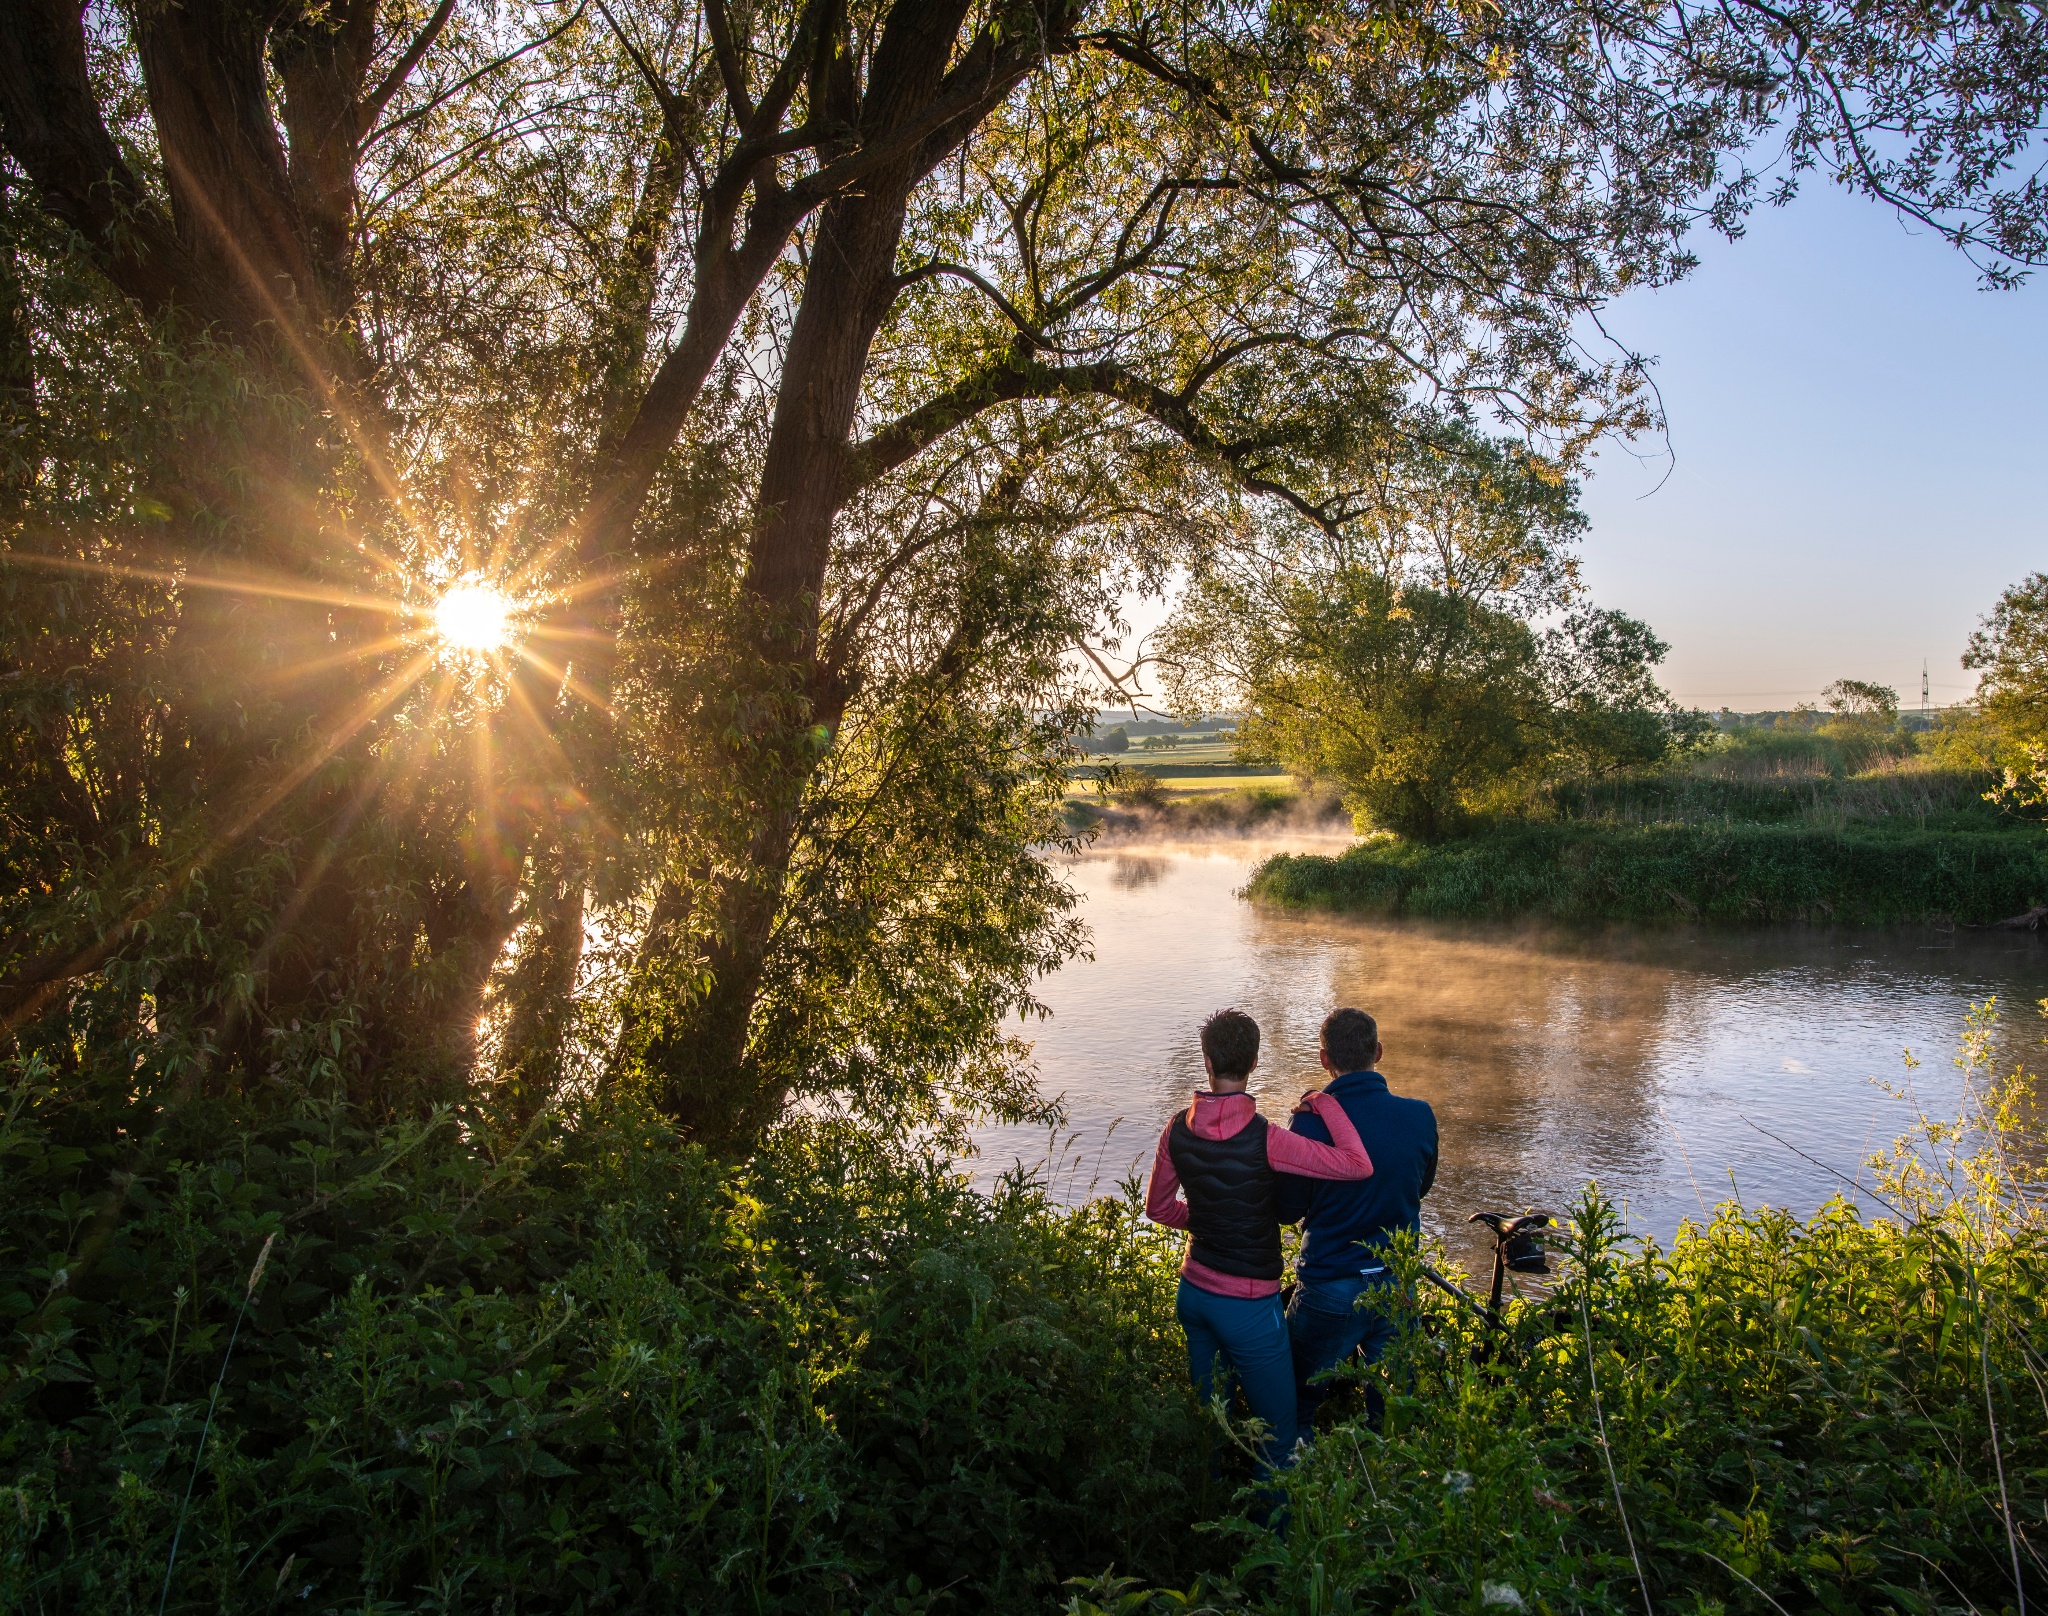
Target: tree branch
x=374, y=103
x=730, y=68
x=50, y=122
x=1019, y=378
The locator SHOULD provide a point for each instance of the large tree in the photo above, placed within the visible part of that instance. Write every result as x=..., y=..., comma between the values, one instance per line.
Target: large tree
x=807, y=371
x=1395, y=648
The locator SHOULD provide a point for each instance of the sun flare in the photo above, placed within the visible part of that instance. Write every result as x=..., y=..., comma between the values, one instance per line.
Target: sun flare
x=473, y=616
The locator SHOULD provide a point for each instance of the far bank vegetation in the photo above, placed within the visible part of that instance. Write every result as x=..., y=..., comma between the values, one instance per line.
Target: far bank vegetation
x=1504, y=746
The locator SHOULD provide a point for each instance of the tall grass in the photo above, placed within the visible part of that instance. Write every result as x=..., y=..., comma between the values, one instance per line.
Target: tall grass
x=1836, y=1414
x=1890, y=795
x=1725, y=872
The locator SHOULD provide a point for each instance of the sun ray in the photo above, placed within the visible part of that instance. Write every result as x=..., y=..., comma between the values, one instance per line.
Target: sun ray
x=542, y=731
x=578, y=636
x=330, y=847
x=568, y=680
x=232, y=583
x=315, y=371
x=294, y=672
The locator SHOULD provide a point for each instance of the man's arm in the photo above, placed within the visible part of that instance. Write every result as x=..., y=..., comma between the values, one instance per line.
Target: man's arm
x=1163, y=1203
x=1429, y=1158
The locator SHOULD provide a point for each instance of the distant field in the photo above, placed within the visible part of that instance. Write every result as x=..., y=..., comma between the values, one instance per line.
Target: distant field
x=1204, y=751
x=1191, y=781
x=1188, y=784
x=1190, y=752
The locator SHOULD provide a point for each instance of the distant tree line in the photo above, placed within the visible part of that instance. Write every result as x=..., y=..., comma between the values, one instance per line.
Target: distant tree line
x=1434, y=652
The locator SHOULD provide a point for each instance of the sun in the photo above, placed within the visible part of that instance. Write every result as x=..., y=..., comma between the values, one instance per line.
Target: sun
x=473, y=616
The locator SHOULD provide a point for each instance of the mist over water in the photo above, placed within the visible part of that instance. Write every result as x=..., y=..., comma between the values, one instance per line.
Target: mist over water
x=1658, y=1063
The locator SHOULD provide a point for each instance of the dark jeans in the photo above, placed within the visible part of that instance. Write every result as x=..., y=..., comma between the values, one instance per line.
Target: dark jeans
x=1325, y=1325
x=1248, y=1336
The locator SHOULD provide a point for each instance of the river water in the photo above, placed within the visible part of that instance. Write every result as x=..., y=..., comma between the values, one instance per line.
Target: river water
x=1678, y=1069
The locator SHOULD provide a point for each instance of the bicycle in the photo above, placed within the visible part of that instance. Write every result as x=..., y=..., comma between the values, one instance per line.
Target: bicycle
x=1517, y=1247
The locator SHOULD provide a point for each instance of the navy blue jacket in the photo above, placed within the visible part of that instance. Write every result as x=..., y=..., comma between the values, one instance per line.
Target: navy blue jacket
x=1346, y=1221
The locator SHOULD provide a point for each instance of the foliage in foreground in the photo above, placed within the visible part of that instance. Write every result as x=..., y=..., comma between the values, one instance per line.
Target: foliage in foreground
x=589, y=1370
x=1765, y=874
x=594, y=1371
x=1831, y=1415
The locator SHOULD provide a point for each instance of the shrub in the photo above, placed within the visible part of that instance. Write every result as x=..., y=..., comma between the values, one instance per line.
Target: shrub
x=586, y=1370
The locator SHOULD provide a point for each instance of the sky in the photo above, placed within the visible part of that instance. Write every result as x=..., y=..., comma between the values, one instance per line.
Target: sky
x=1854, y=468
x=1858, y=441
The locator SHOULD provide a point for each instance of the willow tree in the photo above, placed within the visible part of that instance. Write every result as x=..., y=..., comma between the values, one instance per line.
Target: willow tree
x=805, y=374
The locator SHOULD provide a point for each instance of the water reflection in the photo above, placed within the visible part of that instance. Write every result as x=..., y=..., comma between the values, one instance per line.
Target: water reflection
x=1676, y=1068
x=1130, y=873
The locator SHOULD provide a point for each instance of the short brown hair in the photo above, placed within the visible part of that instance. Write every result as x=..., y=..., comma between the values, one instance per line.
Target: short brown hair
x=1351, y=1039
x=1230, y=1039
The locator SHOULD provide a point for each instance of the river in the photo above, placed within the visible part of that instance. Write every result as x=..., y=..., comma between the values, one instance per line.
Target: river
x=1678, y=1069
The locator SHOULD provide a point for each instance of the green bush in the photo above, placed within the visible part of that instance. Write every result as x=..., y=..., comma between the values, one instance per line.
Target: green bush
x=1794, y=1411
x=1743, y=873
x=586, y=1370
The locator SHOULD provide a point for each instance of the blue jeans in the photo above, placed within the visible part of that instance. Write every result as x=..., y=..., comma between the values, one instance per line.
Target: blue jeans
x=1249, y=1336
x=1325, y=1325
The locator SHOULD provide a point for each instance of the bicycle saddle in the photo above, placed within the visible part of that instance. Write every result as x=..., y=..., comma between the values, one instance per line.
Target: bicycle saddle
x=1520, y=1249
x=1506, y=1227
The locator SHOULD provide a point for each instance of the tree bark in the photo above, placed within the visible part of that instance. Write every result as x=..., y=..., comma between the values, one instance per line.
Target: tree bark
x=323, y=62
x=224, y=165
x=52, y=124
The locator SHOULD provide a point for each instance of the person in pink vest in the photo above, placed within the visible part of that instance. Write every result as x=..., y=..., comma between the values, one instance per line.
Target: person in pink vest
x=1216, y=1176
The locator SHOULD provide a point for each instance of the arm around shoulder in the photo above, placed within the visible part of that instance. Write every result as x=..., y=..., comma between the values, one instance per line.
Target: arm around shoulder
x=1343, y=1157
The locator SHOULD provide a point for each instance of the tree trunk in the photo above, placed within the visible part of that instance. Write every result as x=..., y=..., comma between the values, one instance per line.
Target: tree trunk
x=700, y=1056
x=18, y=454
x=224, y=166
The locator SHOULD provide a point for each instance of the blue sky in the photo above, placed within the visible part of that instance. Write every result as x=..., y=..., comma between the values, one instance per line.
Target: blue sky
x=1860, y=438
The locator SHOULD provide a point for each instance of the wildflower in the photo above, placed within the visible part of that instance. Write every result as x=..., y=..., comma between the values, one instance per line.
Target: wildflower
x=1503, y=1595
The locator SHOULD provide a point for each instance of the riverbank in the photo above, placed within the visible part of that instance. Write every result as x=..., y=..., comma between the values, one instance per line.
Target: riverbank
x=1147, y=809
x=1752, y=874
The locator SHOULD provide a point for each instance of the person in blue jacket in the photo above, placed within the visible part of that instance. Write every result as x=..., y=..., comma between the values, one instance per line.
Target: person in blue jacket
x=1346, y=1224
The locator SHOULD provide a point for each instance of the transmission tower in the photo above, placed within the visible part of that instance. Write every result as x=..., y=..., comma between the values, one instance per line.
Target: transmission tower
x=1925, y=709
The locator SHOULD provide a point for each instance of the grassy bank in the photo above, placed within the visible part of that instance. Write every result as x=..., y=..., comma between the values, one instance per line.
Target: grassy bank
x=1728, y=872
x=1770, y=827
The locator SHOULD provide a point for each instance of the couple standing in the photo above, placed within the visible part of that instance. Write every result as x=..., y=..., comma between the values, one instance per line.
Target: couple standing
x=1231, y=1179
